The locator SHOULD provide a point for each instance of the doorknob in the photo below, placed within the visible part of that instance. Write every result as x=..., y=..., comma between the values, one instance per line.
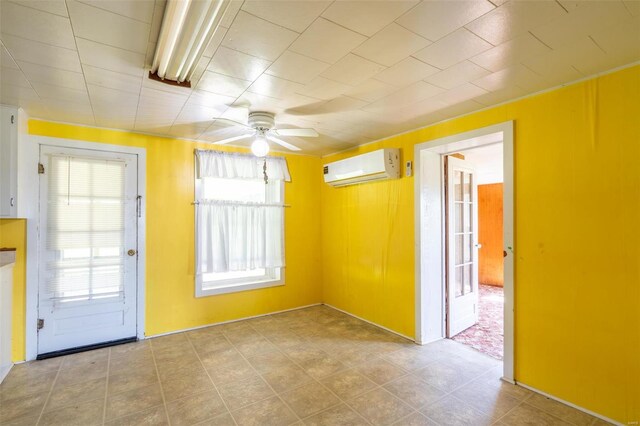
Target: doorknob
x=131, y=252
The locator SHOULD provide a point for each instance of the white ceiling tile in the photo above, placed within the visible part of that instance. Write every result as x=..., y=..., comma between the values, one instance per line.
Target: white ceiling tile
x=371, y=90
x=435, y=19
x=409, y=95
x=274, y=87
x=124, y=122
x=187, y=131
x=140, y=10
x=231, y=13
x=391, y=45
x=405, y=72
x=40, y=53
x=6, y=61
x=17, y=95
x=36, y=25
x=156, y=20
x=57, y=7
x=456, y=75
x=257, y=102
x=518, y=75
x=295, y=67
x=258, y=37
x=53, y=76
x=63, y=113
x=110, y=58
x=352, y=70
x=514, y=18
x=215, y=42
x=297, y=100
x=162, y=98
x=105, y=27
x=454, y=48
x=64, y=94
x=510, y=52
x=295, y=15
x=461, y=93
x=222, y=84
x=113, y=98
x=583, y=20
x=198, y=115
x=323, y=88
x=505, y=94
x=13, y=77
x=210, y=100
x=198, y=71
x=366, y=17
x=461, y=108
x=148, y=57
x=622, y=40
x=326, y=41
x=217, y=132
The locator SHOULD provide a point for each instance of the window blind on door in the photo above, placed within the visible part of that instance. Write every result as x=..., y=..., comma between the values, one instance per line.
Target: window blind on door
x=85, y=228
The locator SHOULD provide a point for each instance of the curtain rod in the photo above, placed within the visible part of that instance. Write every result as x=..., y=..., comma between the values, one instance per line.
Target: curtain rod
x=239, y=154
x=238, y=203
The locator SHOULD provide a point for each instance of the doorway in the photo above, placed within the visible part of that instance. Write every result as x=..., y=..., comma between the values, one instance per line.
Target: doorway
x=432, y=268
x=87, y=248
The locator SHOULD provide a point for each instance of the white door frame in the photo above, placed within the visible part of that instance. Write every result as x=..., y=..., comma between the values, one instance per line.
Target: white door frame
x=28, y=208
x=430, y=232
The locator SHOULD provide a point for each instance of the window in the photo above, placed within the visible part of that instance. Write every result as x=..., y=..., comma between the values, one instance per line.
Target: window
x=239, y=224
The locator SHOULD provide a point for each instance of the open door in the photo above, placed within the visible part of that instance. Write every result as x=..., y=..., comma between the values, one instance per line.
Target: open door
x=462, y=245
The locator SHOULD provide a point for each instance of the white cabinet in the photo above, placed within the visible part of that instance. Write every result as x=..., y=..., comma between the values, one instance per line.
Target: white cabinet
x=8, y=161
x=7, y=260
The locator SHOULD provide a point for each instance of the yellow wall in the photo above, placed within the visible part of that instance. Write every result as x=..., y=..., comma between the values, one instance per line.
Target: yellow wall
x=577, y=184
x=13, y=233
x=170, y=301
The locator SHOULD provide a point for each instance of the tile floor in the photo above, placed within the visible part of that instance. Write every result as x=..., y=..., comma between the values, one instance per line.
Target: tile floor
x=314, y=366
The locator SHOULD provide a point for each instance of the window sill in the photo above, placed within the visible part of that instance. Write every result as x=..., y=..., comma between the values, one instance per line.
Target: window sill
x=234, y=288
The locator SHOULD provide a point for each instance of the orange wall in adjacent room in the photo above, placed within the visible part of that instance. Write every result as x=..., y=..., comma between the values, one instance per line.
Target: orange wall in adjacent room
x=491, y=266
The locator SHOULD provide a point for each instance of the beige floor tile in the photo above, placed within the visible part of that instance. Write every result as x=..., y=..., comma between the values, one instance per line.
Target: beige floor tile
x=23, y=421
x=270, y=361
x=268, y=412
x=347, y=384
x=155, y=416
x=130, y=364
x=73, y=374
x=493, y=380
x=141, y=348
x=188, y=367
x=255, y=347
x=416, y=419
x=380, y=407
x=245, y=392
x=23, y=384
x=121, y=404
x=286, y=378
x=322, y=366
x=528, y=415
x=211, y=343
x=81, y=414
x=409, y=359
x=340, y=415
x=452, y=411
x=354, y=357
x=219, y=357
x=235, y=371
x=560, y=410
x=84, y=391
x=124, y=382
x=179, y=386
x=97, y=358
x=414, y=391
x=23, y=406
x=490, y=400
x=221, y=420
x=381, y=371
x=195, y=408
x=445, y=377
x=309, y=399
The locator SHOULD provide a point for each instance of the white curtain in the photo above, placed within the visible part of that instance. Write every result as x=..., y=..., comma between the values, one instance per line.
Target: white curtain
x=242, y=166
x=237, y=235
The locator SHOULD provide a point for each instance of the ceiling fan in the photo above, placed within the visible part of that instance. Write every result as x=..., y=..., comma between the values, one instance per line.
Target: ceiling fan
x=262, y=128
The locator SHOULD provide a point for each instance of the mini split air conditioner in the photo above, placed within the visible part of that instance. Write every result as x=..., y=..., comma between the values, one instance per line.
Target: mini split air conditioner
x=376, y=165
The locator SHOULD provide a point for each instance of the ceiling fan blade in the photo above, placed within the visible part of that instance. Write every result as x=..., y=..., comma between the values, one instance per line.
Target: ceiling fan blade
x=283, y=143
x=233, y=122
x=235, y=138
x=305, y=133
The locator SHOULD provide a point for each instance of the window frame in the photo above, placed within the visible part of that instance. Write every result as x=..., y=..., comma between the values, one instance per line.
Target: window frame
x=274, y=277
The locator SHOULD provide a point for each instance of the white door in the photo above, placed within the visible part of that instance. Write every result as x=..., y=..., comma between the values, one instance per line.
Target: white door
x=87, y=248
x=462, y=245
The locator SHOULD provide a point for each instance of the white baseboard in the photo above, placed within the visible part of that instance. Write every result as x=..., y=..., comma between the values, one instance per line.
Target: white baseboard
x=370, y=322
x=584, y=410
x=182, y=330
x=4, y=372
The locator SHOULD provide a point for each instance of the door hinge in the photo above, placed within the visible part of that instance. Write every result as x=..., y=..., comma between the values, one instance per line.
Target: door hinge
x=13, y=119
x=40, y=168
x=40, y=323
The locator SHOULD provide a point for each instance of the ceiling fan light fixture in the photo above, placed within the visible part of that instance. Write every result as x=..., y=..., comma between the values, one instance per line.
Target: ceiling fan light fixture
x=260, y=146
x=187, y=28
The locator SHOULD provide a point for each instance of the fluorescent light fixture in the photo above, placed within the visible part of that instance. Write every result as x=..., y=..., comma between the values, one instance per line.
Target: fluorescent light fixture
x=187, y=28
